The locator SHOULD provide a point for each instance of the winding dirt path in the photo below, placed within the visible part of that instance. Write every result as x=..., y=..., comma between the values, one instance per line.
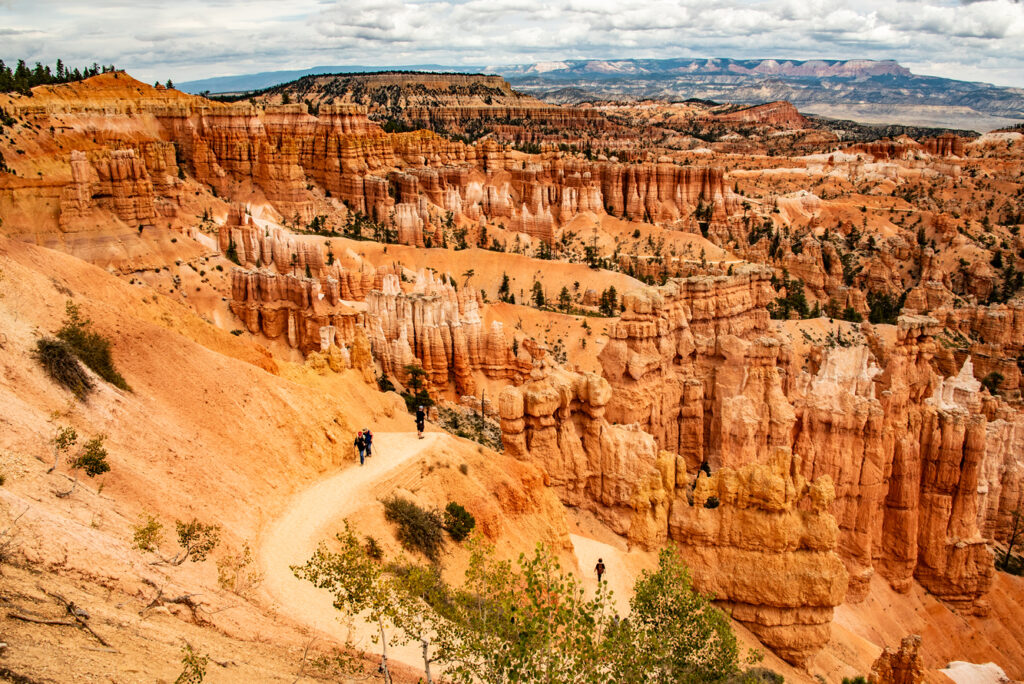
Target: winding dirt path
x=311, y=517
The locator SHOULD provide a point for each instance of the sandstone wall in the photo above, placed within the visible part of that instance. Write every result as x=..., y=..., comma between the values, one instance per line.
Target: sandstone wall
x=766, y=551
x=923, y=470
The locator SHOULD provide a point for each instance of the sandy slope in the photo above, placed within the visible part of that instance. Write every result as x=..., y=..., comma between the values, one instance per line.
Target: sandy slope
x=310, y=518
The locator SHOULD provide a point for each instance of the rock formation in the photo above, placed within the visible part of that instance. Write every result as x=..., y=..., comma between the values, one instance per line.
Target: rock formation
x=779, y=114
x=902, y=666
x=116, y=181
x=439, y=330
x=768, y=515
x=922, y=471
x=766, y=551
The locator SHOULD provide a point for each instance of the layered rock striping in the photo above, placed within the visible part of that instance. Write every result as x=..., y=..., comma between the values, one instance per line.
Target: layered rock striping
x=923, y=471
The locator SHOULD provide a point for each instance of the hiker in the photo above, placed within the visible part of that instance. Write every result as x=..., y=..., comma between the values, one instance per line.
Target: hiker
x=600, y=569
x=368, y=439
x=421, y=417
x=361, y=445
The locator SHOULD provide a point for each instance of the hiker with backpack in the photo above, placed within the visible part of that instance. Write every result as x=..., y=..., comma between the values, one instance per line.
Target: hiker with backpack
x=421, y=417
x=361, y=446
x=368, y=440
x=599, y=568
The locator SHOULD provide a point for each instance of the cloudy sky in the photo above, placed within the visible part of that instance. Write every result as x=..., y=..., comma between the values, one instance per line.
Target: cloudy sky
x=188, y=39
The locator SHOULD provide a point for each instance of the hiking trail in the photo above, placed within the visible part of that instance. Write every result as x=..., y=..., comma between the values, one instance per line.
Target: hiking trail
x=312, y=516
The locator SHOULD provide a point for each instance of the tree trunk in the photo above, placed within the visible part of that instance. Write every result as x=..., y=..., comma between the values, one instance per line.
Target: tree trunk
x=384, y=652
x=426, y=660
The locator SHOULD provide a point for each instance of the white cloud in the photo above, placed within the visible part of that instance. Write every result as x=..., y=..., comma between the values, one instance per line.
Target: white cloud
x=980, y=40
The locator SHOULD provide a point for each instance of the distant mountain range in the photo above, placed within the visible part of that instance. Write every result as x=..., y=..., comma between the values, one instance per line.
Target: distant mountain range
x=862, y=90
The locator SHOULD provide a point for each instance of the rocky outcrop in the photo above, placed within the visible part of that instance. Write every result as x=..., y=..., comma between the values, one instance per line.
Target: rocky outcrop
x=307, y=163
x=899, y=666
x=306, y=314
x=438, y=329
x=993, y=336
x=767, y=516
x=766, y=551
x=779, y=114
x=675, y=345
x=254, y=247
x=116, y=181
x=695, y=365
x=472, y=105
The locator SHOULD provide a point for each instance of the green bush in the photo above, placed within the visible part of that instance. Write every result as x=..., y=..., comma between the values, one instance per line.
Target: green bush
x=992, y=381
x=757, y=675
x=884, y=307
x=373, y=549
x=63, y=366
x=458, y=521
x=91, y=347
x=418, y=529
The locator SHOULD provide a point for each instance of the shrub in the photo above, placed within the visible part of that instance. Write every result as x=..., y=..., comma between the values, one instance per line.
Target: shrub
x=384, y=384
x=193, y=668
x=757, y=675
x=91, y=347
x=58, y=359
x=237, y=573
x=196, y=540
x=418, y=529
x=464, y=469
x=458, y=521
x=992, y=381
x=373, y=549
x=147, y=534
x=93, y=459
x=712, y=502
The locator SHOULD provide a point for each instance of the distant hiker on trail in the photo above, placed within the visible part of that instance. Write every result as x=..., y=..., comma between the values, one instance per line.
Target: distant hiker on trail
x=361, y=445
x=421, y=417
x=368, y=439
x=599, y=568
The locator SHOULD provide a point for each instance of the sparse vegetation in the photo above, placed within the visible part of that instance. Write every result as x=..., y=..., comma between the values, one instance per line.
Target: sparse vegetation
x=419, y=530
x=92, y=461
x=148, y=534
x=193, y=666
x=458, y=521
x=92, y=348
x=992, y=381
x=498, y=626
x=196, y=541
x=60, y=362
x=470, y=425
x=238, y=573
